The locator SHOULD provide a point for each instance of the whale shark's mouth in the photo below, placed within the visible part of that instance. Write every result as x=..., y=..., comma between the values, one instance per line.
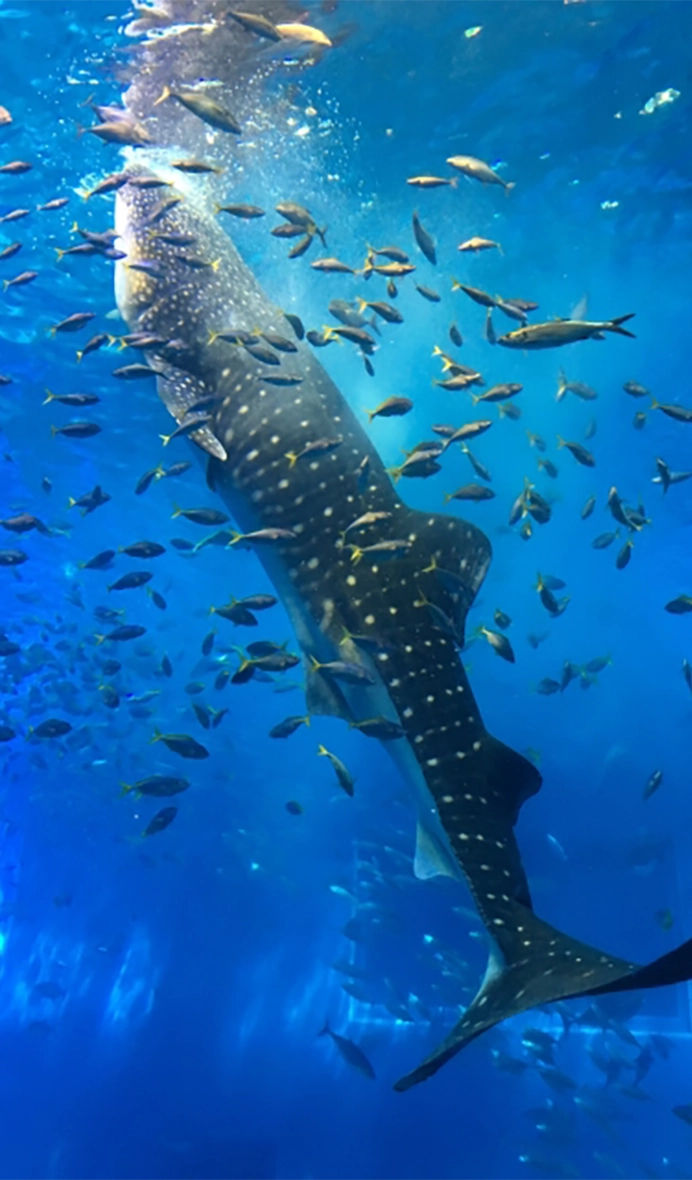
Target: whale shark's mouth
x=292, y=461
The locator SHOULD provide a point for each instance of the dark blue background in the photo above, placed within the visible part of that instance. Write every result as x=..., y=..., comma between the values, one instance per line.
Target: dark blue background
x=196, y=967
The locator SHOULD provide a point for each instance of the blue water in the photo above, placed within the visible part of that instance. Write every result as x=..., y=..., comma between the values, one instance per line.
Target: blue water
x=192, y=969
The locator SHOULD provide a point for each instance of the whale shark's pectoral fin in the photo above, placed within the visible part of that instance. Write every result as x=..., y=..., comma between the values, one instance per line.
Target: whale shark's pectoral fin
x=324, y=698
x=673, y=967
x=179, y=390
x=532, y=964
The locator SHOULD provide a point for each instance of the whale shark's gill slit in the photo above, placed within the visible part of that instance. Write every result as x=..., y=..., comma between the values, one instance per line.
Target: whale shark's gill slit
x=408, y=615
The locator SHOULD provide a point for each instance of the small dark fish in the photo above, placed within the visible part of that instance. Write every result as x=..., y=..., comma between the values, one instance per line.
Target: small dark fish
x=24, y=523
x=639, y=421
x=287, y=727
x=428, y=293
x=195, y=167
x=21, y=280
x=623, y=557
x=263, y=647
x=344, y=777
x=294, y=808
x=143, y=549
x=72, y=399
x=202, y=714
x=135, y=373
x=267, y=536
x=15, y=215
x=480, y=469
x=455, y=335
x=635, y=389
x=580, y=453
x=159, y=786
x=536, y=640
x=246, y=212
x=203, y=516
x=182, y=744
x=123, y=132
x=598, y=664
x=176, y=469
x=547, y=466
x=109, y=696
x=145, y=482
x=102, y=561
x=536, y=441
x=426, y=242
x=52, y=728
x=350, y=1052
x=570, y=672
x=344, y=671
x=90, y=501
x=9, y=557
x=472, y=492
x=393, y=253
x=552, y=582
x=124, y=633
x=502, y=619
x=76, y=430
x=476, y=294
x=499, y=643
x=93, y=345
x=678, y=413
x=332, y=266
x=6, y=733
x=392, y=407
x=547, y=687
x=204, y=107
x=604, y=540
x=320, y=446
x=163, y=819
x=10, y=251
x=261, y=353
x=653, y=784
x=684, y=1113
x=380, y=727
x=391, y=315
x=188, y=426
x=682, y=605
x=296, y=323
x=55, y=203
x=74, y=322
x=132, y=581
x=588, y=508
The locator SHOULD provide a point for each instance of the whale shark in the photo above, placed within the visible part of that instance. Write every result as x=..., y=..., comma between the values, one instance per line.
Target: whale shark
x=296, y=470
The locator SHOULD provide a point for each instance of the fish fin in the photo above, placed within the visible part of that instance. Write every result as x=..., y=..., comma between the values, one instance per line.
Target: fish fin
x=324, y=699
x=432, y=859
x=616, y=325
x=514, y=981
x=207, y=441
x=449, y=543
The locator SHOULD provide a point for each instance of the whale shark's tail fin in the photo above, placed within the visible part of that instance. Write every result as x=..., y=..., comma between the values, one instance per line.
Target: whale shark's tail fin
x=534, y=964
